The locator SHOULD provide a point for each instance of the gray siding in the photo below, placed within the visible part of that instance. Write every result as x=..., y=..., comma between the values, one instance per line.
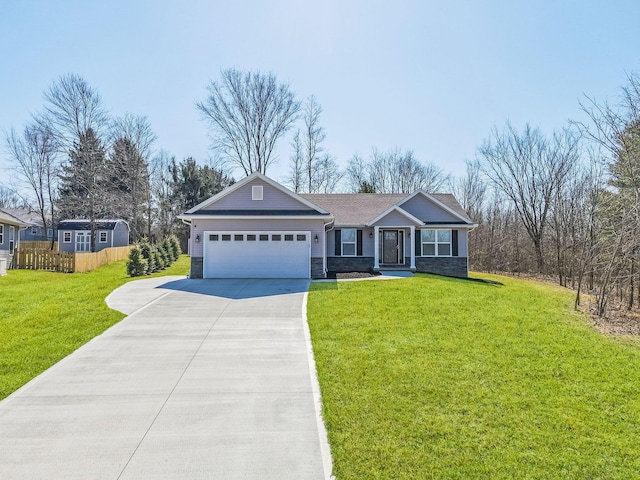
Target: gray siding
x=427, y=211
x=368, y=244
x=394, y=219
x=121, y=235
x=65, y=247
x=316, y=227
x=272, y=199
x=4, y=245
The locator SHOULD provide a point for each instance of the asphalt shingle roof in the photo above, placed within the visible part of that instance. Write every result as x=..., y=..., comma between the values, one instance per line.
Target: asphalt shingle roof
x=360, y=208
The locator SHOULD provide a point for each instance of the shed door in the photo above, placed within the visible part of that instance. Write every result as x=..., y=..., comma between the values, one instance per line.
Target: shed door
x=245, y=254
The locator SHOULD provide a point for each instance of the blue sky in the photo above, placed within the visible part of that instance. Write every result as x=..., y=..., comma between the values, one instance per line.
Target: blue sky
x=430, y=76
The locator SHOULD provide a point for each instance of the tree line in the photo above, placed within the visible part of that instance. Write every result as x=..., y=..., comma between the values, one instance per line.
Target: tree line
x=564, y=204
x=75, y=160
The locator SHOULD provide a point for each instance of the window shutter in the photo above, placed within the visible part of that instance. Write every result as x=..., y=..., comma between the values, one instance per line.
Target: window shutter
x=359, y=243
x=338, y=249
x=454, y=243
x=418, y=241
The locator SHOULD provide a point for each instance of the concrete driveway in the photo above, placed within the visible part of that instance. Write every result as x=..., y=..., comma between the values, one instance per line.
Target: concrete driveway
x=204, y=379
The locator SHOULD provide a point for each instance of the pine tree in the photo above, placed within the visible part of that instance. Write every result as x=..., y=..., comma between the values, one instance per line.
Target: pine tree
x=85, y=182
x=136, y=265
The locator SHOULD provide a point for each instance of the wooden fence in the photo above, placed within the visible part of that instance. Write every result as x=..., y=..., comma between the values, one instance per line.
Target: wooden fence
x=38, y=245
x=67, y=262
x=31, y=259
x=87, y=261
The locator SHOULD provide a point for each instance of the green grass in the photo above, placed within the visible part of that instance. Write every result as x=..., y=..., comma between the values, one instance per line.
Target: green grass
x=430, y=377
x=44, y=316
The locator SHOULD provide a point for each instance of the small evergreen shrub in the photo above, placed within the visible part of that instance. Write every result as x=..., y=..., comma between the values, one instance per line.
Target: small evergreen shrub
x=175, y=246
x=159, y=259
x=166, y=246
x=136, y=265
x=146, y=249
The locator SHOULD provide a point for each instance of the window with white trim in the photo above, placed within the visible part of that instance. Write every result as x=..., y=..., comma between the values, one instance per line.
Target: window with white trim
x=348, y=239
x=66, y=237
x=102, y=237
x=1, y=233
x=436, y=243
x=256, y=192
x=34, y=231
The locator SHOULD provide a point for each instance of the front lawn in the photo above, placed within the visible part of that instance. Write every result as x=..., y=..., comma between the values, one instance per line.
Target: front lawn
x=44, y=316
x=430, y=377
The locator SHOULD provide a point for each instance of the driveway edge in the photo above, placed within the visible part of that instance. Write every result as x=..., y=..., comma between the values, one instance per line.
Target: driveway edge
x=325, y=450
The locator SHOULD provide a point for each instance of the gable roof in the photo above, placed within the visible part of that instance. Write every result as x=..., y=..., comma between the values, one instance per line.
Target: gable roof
x=399, y=210
x=83, y=224
x=444, y=200
x=6, y=217
x=227, y=191
x=354, y=208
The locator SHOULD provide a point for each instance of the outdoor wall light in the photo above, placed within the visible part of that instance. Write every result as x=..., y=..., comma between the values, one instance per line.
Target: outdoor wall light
x=370, y=234
x=315, y=239
x=198, y=238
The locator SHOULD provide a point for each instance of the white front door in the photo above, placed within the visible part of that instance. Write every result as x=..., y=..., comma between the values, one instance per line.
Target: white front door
x=243, y=254
x=83, y=241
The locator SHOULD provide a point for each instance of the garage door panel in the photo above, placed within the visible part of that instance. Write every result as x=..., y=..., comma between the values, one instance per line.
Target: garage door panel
x=257, y=258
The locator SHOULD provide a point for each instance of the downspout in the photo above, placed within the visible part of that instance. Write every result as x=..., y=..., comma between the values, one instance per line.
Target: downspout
x=331, y=224
x=188, y=222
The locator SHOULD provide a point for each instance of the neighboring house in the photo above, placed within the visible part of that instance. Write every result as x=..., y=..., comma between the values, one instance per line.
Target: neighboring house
x=35, y=229
x=75, y=235
x=258, y=228
x=9, y=238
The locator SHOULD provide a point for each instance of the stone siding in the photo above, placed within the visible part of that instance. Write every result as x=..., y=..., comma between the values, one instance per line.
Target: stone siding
x=196, y=267
x=450, y=266
x=349, y=264
x=317, y=268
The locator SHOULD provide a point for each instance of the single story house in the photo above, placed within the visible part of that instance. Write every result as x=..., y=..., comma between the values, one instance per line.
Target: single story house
x=75, y=235
x=258, y=228
x=9, y=238
x=35, y=230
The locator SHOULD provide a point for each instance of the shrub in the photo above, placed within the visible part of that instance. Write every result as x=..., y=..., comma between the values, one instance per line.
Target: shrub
x=146, y=249
x=159, y=259
x=136, y=265
x=175, y=246
x=166, y=246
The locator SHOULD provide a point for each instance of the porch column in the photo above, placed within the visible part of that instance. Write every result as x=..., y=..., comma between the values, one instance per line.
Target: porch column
x=413, y=247
x=376, y=248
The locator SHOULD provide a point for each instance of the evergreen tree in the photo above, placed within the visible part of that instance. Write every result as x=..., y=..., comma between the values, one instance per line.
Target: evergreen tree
x=85, y=182
x=136, y=265
x=130, y=182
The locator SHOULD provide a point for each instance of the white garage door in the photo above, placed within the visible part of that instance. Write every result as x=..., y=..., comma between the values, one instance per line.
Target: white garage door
x=257, y=254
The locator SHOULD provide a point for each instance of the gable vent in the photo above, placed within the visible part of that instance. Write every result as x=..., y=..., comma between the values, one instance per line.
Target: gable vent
x=256, y=192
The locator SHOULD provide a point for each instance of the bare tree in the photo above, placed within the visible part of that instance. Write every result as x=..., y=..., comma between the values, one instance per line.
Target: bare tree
x=296, y=174
x=529, y=168
x=9, y=198
x=34, y=156
x=248, y=112
x=394, y=171
x=73, y=107
x=314, y=135
x=132, y=138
